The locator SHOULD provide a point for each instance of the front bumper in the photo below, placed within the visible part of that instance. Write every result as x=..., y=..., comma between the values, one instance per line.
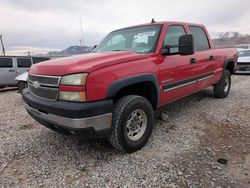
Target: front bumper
x=88, y=119
x=243, y=68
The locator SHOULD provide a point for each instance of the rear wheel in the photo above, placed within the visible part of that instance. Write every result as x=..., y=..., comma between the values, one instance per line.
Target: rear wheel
x=133, y=120
x=222, y=88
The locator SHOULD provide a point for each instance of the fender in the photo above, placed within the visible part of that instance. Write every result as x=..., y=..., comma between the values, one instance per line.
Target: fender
x=227, y=61
x=119, y=84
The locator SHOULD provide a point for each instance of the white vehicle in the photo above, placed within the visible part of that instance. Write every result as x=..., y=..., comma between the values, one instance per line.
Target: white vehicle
x=243, y=65
x=242, y=46
x=13, y=66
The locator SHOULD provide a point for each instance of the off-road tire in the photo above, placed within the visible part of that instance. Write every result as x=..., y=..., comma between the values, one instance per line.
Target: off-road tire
x=219, y=88
x=122, y=111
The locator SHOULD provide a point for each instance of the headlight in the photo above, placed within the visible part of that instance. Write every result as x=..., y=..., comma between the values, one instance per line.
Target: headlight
x=74, y=79
x=72, y=96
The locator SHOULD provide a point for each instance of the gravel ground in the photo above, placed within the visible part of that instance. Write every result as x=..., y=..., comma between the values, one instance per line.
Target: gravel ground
x=182, y=152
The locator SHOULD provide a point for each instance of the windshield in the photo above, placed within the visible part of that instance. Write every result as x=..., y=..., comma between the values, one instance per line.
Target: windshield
x=138, y=39
x=244, y=53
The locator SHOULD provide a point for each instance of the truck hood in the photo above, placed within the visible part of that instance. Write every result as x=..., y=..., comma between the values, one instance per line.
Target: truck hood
x=83, y=63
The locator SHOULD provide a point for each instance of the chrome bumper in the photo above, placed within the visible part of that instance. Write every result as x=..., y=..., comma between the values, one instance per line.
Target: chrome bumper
x=99, y=123
x=242, y=72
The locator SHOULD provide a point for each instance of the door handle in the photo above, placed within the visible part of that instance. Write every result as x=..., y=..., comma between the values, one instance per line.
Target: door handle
x=11, y=70
x=192, y=61
x=211, y=58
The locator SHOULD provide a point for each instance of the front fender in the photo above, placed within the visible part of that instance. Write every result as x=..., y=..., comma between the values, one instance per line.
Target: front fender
x=124, y=82
x=22, y=77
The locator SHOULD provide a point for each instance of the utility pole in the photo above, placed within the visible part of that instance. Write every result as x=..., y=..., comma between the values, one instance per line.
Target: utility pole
x=82, y=39
x=81, y=43
x=1, y=38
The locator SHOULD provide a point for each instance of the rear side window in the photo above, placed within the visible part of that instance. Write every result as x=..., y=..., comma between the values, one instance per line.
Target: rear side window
x=172, y=37
x=23, y=62
x=200, y=38
x=6, y=62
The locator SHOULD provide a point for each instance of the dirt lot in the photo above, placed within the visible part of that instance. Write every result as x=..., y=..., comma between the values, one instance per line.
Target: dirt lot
x=182, y=152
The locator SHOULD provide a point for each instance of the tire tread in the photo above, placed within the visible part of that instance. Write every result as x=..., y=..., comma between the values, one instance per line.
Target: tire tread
x=119, y=108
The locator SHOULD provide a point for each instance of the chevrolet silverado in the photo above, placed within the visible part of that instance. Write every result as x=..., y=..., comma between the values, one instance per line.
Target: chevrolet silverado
x=114, y=91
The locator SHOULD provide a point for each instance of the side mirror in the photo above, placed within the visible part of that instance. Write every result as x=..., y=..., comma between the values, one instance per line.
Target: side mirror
x=186, y=45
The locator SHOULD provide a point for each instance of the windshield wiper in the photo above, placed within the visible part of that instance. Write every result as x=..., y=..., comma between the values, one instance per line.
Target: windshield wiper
x=118, y=50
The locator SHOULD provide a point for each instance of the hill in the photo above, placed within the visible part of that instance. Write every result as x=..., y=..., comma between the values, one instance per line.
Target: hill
x=72, y=50
x=229, y=39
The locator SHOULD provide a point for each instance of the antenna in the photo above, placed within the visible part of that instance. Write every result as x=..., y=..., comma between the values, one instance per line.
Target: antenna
x=153, y=20
x=82, y=39
x=1, y=38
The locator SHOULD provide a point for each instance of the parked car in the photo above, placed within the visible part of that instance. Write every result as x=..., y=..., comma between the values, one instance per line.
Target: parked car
x=242, y=46
x=113, y=92
x=13, y=66
x=243, y=65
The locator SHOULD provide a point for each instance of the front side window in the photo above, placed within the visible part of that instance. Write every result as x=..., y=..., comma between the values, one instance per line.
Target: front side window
x=172, y=37
x=138, y=39
x=6, y=62
x=23, y=62
x=200, y=38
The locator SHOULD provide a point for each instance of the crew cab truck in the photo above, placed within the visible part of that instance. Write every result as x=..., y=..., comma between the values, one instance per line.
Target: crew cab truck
x=114, y=91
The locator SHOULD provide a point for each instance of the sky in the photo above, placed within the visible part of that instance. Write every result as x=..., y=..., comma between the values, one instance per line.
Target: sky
x=47, y=25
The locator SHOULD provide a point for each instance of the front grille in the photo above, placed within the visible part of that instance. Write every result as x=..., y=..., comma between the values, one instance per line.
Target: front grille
x=245, y=63
x=45, y=87
x=243, y=66
x=45, y=80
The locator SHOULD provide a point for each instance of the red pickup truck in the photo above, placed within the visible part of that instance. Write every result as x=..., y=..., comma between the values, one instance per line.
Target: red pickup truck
x=114, y=91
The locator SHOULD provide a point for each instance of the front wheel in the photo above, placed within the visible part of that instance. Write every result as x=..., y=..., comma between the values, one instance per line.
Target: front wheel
x=222, y=88
x=133, y=120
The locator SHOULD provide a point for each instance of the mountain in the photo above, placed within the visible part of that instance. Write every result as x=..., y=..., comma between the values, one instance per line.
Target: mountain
x=72, y=50
x=229, y=39
x=227, y=35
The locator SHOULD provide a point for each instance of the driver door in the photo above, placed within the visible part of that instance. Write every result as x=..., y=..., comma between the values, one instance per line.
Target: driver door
x=177, y=72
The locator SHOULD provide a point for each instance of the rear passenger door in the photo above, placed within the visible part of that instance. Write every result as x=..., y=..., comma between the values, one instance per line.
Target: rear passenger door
x=23, y=65
x=205, y=59
x=7, y=71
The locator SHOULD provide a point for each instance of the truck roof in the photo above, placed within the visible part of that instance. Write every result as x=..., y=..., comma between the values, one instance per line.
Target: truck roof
x=162, y=23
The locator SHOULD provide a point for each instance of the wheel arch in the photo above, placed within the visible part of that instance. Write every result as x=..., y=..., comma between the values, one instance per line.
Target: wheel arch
x=145, y=85
x=229, y=65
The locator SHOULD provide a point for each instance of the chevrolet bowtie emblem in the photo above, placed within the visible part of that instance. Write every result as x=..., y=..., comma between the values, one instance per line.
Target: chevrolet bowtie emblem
x=36, y=84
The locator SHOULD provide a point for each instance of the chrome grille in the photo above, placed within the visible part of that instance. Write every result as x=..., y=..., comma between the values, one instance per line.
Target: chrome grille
x=45, y=87
x=45, y=80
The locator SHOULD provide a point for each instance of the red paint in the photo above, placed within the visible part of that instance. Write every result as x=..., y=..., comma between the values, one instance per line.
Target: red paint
x=106, y=68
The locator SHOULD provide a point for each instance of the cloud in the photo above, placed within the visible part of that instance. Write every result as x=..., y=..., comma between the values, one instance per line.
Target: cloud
x=54, y=24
